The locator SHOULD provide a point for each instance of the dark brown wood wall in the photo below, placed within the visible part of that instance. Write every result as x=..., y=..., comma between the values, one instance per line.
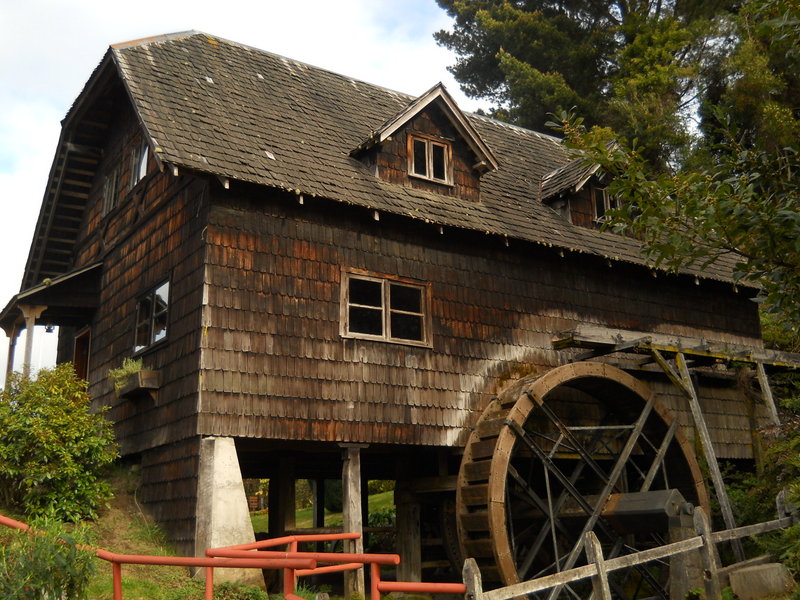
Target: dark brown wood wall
x=153, y=234
x=391, y=158
x=275, y=365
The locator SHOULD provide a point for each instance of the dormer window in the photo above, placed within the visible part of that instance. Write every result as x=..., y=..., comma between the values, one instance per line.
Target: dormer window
x=430, y=159
x=602, y=203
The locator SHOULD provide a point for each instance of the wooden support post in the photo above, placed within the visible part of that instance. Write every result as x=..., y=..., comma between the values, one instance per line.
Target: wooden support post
x=685, y=572
x=766, y=393
x=594, y=554
x=318, y=502
x=352, y=515
x=409, y=538
x=471, y=575
x=281, y=499
x=709, y=556
x=688, y=388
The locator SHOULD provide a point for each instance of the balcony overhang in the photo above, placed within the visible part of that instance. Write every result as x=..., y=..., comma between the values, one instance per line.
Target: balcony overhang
x=68, y=300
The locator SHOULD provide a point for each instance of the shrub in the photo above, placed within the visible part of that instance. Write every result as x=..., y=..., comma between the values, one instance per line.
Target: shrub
x=122, y=375
x=46, y=564
x=53, y=450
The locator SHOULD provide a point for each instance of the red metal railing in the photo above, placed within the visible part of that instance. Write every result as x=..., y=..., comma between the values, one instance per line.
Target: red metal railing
x=256, y=556
x=117, y=560
x=334, y=562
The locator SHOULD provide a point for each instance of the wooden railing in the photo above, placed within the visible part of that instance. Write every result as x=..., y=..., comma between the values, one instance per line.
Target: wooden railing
x=598, y=567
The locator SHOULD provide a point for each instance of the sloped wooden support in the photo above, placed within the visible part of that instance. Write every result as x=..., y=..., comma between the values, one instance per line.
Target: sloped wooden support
x=686, y=385
x=766, y=393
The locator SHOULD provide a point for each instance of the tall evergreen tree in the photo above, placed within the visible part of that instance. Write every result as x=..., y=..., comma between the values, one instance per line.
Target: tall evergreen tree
x=631, y=65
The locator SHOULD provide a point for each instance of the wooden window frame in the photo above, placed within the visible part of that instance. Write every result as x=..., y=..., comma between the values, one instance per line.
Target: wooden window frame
x=151, y=319
x=430, y=143
x=386, y=281
x=110, y=192
x=608, y=204
x=139, y=159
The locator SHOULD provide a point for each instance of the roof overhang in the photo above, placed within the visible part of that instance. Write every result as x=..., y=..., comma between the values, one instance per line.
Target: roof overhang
x=70, y=299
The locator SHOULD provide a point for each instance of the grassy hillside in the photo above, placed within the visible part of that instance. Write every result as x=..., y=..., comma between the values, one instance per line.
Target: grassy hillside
x=123, y=527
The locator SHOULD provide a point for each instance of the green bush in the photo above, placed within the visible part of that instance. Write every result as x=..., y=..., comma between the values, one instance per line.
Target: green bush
x=45, y=565
x=53, y=450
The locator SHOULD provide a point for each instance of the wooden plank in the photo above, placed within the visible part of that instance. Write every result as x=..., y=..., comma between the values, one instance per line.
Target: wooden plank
x=766, y=393
x=658, y=460
x=594, y=554
x=408, y=541
x=352, y=515
x=708, y=451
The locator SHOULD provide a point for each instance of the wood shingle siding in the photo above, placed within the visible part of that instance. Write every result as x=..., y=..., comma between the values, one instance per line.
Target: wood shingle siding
x=275, y=365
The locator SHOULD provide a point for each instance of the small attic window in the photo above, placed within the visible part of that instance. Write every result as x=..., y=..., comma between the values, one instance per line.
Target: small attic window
x=603, y=203
x=139, y=164
x=430, y=159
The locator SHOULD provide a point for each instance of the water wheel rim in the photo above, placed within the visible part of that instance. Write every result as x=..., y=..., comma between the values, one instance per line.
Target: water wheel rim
x=527, y=392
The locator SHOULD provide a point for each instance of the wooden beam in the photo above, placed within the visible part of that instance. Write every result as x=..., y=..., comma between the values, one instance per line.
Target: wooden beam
x=409, y=538
x=708, y=451
x=766, y=393
x=354, y=586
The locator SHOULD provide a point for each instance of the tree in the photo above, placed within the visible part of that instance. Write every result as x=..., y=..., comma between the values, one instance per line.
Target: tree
x=633, y=66
x=738, y=196
x=53, y=449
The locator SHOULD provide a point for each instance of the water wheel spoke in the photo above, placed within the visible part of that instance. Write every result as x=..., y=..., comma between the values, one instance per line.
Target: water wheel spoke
x=561, y=445
x=658, y=461
x=574, y=441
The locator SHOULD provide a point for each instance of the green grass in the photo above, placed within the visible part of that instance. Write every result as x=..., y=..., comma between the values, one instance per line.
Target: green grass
x=381, y=501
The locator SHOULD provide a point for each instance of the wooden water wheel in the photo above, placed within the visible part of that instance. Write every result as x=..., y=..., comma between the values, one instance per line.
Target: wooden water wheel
x=547, y=460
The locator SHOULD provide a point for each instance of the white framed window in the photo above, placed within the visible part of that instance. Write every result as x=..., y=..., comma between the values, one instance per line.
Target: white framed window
x=602, y=203
x=110, y=191
x=385, y=308
x=430, y=159
x=139, y=163
x=152, y=312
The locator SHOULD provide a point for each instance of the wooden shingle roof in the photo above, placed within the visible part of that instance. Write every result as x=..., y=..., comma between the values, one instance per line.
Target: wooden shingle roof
x=217, y=107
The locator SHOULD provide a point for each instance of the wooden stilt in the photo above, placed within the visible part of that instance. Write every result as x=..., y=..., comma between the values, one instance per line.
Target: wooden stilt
x=684, y=382
x=409, y=538
x=354, y=586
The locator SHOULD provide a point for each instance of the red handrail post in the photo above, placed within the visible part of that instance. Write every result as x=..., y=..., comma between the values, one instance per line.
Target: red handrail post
x=288, y=574
x=116, y=577
x=209, y=583
x=374, y=580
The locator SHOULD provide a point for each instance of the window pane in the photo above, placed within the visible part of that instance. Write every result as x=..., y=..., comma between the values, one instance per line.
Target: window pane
x=405, y=298
x=366, y=320
x=143, y=316
x=141, y=167
x=406, y=327
x=420, y=158
x=438, y=161
x=162, y=296
x=363, y=291
x=599, y=203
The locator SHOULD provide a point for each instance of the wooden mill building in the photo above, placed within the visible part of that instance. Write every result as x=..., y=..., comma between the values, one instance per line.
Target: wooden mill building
x=326, y=277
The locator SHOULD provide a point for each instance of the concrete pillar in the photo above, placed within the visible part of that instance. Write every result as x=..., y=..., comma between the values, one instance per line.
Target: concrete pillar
x=31, y=312
x=222, y=517
x=12, y=346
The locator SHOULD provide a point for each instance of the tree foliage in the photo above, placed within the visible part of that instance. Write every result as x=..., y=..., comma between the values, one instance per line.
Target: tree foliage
x=738, y=195
x=50, y=563
x=631, y=65
x=53, y=449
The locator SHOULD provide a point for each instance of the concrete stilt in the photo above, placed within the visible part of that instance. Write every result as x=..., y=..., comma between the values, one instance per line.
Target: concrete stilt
x=222, y=517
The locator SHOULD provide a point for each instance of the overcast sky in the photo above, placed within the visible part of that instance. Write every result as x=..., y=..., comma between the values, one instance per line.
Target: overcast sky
x=48, y=49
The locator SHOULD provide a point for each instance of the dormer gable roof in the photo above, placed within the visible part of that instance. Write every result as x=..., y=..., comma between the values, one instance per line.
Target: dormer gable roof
x=437, y=94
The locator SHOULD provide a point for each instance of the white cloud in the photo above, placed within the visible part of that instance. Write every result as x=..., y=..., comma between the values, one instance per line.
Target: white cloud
x=49, y=48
